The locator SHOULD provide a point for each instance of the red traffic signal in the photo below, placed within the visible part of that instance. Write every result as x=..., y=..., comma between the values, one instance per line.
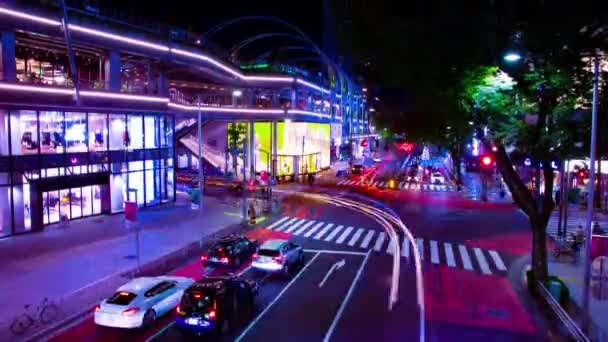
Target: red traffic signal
x=486, y=161
x=364, y=143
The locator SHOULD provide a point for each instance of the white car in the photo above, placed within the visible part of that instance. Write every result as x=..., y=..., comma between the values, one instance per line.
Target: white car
x=140, y=301
x=278, y=256
x=437, y=178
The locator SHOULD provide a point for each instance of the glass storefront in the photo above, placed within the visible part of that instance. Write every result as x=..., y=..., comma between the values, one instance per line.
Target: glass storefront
x=134, y=151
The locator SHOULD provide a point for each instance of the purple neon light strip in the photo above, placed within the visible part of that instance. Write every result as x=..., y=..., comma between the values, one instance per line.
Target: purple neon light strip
x=48, y=90
x=159, y=47
x=124, y=96
x=297, y=111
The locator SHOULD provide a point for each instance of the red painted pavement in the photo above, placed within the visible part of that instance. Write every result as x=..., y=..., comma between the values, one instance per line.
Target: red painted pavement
x=514, y=243
x=471, y=299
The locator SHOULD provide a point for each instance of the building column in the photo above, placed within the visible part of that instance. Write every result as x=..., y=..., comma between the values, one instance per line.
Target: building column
x=252, y=157
x=8, y=67
x=112, y=69
x=150, y=87
x=294, y=96
x=162, y=85
x=275, y=128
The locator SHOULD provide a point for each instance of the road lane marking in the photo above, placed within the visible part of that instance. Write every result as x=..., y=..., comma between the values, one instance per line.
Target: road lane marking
x=257, y=319
x=323, y=231
x=333, y=233
x=405, y=248
x=344, y=235
x=286, y=224
x=466, y=260
x=434, y=252
x=295, y=225
x=278, y=222
x=331, y=251
x=379, y=242
x=449, y=254
x=349, y=294
x=367, y=239
x=314, y=229
x=356, y=237
x=497, y=260
x=304, y=227
x=401, y=185
x=420, y=245
x=481, y=260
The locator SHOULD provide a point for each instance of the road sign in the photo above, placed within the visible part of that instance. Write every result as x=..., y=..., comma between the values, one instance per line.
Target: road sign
x=599, y=278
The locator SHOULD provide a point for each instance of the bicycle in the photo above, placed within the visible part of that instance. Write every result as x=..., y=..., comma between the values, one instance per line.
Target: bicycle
x=45, y=313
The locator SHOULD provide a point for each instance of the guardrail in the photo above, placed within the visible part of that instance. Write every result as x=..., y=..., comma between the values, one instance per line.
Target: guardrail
x=575, y=332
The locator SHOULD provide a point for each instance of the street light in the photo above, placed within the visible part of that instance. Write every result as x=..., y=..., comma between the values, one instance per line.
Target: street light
x=512, y=57
x=237, y=93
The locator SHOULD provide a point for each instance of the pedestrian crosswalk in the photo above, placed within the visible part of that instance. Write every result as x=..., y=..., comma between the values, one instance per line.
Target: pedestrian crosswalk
x=406, y=186
x=455, y=255
x=573, y=223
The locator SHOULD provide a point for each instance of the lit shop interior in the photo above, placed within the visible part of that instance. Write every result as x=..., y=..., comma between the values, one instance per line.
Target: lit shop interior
x=56, y=165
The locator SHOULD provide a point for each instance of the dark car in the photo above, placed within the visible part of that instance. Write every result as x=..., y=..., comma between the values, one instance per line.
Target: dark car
x=232, y=250
x=357, y=169
x=216, y=304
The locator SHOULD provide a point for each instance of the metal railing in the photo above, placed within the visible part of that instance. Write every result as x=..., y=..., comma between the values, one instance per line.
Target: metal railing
x=575, y=332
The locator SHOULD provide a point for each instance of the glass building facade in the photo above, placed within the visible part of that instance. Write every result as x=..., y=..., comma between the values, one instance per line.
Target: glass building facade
x=61, y=164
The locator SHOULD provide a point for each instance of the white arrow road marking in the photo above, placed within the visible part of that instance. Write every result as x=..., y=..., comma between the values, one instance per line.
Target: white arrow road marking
x=338, y=265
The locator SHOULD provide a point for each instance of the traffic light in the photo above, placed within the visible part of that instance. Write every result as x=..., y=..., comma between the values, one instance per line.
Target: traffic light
x=486, y=161
x=364, y=143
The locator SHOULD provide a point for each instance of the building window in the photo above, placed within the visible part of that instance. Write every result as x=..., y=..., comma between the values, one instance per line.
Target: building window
x=135, y=131
x=4, y=130
x=98, y=132
x=119, y=137
x=5, y=210
x=52, y=133
x=24, y=132
x=21, y=200
x=151, y=126
x=76, y=132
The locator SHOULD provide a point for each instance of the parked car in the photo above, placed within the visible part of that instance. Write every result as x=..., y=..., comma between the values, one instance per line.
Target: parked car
x=216, y=304
x=140, y=302
x=231, y=250
x=278, y=256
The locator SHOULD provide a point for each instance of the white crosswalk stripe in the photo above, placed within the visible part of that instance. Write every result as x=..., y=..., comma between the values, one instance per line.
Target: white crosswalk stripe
x=344, y=235
x=314, y=229
x=434, y=252
x=481, y=260
x=283, y=219
x=304, y=227
x=497, y=260
x=486, y=262
x=405, y=248
x=323, y=231
x=401, y=185
x=420, y=246
x=286, y=224
x=295, y=225
x=466, y=260
x=449, y=254
x=355, y=237
x=333, y=233
x=367, y=239
x=379, y=242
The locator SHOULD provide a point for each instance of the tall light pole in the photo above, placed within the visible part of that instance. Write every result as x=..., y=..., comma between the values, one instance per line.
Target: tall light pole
x=591, y=184
x=201, y=182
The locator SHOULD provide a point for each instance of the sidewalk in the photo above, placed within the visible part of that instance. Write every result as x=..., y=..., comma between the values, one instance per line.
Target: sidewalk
x=577, y=215
x=573, y=275
x=473, y=190
x=93, y=254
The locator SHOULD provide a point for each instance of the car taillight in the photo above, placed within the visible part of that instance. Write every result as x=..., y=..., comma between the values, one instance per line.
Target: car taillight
x=179, y=311
x=130, y=311
x=224, y=260
x=278, y=258
x=97, y=307
x=204, y=258
x=255, y=255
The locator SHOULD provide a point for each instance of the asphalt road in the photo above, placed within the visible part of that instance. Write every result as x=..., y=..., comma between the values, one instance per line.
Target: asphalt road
x=468, y=248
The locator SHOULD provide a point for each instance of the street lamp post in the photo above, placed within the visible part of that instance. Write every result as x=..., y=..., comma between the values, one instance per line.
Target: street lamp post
x=201, y=182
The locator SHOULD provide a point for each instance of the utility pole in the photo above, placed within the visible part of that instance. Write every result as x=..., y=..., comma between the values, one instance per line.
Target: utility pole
x=201, y=182
x=591, y=185
x=244, y=194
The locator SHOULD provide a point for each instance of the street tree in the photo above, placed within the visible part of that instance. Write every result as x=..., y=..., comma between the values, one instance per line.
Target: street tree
x=535, y=114
x=236, y=133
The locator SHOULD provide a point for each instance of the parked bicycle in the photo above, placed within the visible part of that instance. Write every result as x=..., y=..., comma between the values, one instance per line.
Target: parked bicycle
x=570, y=247
x=44, y=314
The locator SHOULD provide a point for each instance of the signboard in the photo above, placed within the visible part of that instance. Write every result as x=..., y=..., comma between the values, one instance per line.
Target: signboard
x=131, y=211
